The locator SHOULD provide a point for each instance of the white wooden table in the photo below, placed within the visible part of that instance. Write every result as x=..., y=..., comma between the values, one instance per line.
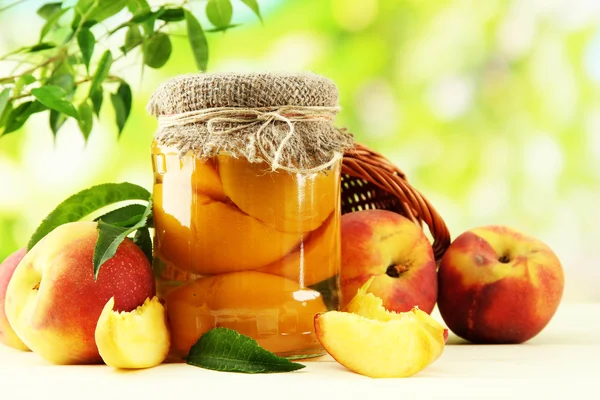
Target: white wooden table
x=561, y=362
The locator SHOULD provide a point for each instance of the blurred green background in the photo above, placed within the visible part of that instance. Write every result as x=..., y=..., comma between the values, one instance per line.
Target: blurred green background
x=491, y=108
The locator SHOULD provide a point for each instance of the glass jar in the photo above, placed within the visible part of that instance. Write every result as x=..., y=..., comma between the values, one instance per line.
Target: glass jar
x=240, y=246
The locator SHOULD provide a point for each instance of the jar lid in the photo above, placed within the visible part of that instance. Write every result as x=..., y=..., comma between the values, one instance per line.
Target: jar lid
x=285, y=120
x=201, y=91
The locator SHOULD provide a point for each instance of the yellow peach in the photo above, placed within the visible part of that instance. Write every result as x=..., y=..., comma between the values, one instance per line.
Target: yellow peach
x=275, y=311
x=316, y=259
x=370, y=306
x=285, y=201
x=187, y=172
x=210, y=237
x=53, y=302
x=136, y=339
x=399, y=347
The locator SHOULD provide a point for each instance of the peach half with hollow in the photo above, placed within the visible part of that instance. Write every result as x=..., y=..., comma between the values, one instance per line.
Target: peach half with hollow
x=204, y=236
x=7, y=268
x=316, y=259
x=136, y=339
x=395, y=251
x=284, y=201
x=53, y=302
x=378, y=343
x=498, y=285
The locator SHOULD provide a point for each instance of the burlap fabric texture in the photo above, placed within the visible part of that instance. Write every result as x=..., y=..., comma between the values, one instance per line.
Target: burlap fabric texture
x=286, y=120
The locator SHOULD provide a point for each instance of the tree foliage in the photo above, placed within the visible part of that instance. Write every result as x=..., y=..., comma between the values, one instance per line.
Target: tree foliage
x=70, y=71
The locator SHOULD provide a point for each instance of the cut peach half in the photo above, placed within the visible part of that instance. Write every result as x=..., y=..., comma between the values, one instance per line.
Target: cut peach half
x=316, y=259
x=372, y=341
x=186, y=173
x=276, y=311
x=136, y=339
x=203, y=236
x=288, y=202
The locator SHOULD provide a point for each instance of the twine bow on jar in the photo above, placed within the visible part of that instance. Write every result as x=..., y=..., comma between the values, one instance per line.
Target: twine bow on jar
x=236, y=119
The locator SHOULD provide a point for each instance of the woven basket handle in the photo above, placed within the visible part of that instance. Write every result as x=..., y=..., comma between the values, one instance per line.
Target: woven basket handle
x=372, y=181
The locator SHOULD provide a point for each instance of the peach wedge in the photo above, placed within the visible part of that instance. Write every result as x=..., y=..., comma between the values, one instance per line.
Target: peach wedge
x=136, y=339
x=377, y=343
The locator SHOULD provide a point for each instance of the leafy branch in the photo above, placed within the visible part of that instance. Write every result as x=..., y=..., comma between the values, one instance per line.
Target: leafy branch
x=71, y=69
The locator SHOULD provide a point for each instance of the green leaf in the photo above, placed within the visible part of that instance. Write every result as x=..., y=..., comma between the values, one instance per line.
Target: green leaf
x=172, y=15
x=136, y=6
x=97, y=97
x=4, y=117
x=86, y=202
x=51, y=97
x=55, y=91
x=124, y=217
x=125, y=94
x=102, y=10
x=143, y=16
x=197, y=40
x=4, y=97
x=17, y=117
x=32, y=49
x=86, y=119
x=224, y=349
x=219, y=12
x=253, y=4
x=51, y=22
x=62, y=80
x=121, y=102
x=84, y=6
x=56, y=121
x=28, y=79
x=47, y=10
x=102, y=71
x=144, y=242
x=133, y=37
x=41, y=47
x=86, y=42
x=222, y=28
x=111, y=236
x=157, y=50
x=119, y=108
x=139, y=6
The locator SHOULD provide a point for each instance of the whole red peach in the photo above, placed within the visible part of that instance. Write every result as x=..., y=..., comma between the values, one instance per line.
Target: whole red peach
x=53, y=302
x=395, y=251
x=7, y=268
x=498, y=285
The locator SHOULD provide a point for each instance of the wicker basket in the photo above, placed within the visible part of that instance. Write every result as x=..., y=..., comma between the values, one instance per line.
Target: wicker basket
x=370, y=181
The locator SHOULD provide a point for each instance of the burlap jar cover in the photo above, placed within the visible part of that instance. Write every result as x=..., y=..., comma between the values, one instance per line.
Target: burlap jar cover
x=285, y=120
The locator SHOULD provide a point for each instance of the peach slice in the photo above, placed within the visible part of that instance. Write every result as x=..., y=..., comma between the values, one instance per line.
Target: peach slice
x=187, y=172
x=370, y=306
x=205, y=180
x=377, y=343
x=275, y=311
x=287, y=202
x=136, y=339
x=204, y=236
x=316, y=259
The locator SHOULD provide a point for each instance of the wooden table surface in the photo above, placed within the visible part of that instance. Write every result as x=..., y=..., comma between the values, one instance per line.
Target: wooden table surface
x=561, y=362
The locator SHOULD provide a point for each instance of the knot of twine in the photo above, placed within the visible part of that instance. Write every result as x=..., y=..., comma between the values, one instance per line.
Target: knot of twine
x=259, y=117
